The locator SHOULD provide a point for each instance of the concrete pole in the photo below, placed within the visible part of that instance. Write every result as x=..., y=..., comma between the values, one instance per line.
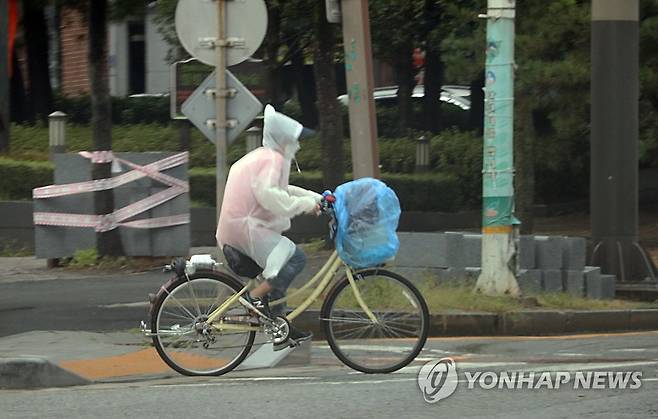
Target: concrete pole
x=4, y=76
x=221, y=139
x=615, y=91
x=360, y=86
x=499, y=234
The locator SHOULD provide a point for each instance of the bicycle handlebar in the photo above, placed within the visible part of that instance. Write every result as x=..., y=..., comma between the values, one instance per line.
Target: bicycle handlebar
x=327, y=201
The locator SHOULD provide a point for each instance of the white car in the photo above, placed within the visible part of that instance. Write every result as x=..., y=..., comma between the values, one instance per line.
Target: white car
x=455, y=94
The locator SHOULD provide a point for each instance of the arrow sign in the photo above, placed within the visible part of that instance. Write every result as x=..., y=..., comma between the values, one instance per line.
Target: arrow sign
x=241, y=109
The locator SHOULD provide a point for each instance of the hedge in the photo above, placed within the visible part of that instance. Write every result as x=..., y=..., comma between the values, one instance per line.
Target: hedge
x=426, y=192
x=18, y=178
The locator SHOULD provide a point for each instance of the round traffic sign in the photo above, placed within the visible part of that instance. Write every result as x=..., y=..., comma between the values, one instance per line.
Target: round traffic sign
x=196, y=25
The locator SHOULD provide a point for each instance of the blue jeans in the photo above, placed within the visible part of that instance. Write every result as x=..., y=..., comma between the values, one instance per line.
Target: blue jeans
x=282, y=281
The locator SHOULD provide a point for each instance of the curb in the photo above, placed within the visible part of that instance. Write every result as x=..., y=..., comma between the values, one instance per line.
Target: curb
x=34, y=372
x=521, y=323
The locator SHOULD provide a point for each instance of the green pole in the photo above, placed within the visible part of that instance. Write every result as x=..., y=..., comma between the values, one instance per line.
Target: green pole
x=499, y=243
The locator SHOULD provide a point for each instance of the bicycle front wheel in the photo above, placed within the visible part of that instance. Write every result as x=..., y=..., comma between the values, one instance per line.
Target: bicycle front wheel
x=385, y=336
x=181, y=337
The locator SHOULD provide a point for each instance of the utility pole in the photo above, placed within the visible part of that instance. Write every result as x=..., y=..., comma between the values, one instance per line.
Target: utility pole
x=615, y=91
x=4, y=76
x=360, y=86
x=499, y=229
x=221, y=141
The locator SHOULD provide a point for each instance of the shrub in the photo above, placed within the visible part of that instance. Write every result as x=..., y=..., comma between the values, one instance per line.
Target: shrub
x=18, y=178
x=125, y=110
x=427, y=192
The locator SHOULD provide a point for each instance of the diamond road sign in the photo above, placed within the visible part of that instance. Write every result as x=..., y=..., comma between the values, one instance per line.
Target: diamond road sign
x=241, y=109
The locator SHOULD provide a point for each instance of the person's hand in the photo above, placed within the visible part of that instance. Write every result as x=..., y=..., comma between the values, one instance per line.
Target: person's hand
x=318, y=210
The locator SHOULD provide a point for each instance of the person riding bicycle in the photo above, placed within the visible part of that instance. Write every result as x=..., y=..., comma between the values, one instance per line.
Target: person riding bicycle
x=258, y=206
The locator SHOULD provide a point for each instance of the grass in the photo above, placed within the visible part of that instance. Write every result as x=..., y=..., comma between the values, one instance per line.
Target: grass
x=88, y=259
x=447, y=298
x=14, y=250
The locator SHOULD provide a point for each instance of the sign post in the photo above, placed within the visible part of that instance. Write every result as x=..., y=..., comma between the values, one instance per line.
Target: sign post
x=220, y=33
x=221, y=143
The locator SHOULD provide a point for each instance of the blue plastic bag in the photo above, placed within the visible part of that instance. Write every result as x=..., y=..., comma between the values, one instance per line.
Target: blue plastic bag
x=367, y=214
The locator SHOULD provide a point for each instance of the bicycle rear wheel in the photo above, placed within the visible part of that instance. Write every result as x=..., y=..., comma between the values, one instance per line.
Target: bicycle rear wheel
x=395, y=334
x=178, y=314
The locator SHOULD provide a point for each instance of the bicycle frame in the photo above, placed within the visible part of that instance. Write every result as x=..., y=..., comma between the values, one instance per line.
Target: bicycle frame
x=325, y=275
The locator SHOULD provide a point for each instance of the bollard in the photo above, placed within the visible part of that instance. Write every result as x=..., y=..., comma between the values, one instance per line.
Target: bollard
x=422, y=154
x=254, y=138
x=57, y=133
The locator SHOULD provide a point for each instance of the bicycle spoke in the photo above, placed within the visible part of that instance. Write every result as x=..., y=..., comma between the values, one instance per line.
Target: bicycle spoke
x=182, y=345
x=366, y=334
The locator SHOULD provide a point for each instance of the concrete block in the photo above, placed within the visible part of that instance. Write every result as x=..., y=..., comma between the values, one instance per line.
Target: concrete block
x=600, y=286
x=56, y=242
x=454, y=250
x=608, y=286
x=418, y=275
x=592, y=281
x=574, y=282
x=552, y=280
x=35, y=372
x=530, y=281
x=472, y=250
x=452, y=276
x=527, y=252
x=472, y=274
x=574, y=253
x=430, y=250
x=549, y=252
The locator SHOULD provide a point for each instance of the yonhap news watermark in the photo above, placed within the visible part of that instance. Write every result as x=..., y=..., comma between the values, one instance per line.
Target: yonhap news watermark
x=439, y=379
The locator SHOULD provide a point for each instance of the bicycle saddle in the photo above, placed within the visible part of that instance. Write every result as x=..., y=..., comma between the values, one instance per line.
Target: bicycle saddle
x=240, y=263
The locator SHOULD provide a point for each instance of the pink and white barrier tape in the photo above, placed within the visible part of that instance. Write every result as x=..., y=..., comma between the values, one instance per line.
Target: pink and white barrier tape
x=117, y=218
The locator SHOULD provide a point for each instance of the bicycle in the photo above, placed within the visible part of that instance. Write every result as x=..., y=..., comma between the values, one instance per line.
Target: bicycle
x=201, y=324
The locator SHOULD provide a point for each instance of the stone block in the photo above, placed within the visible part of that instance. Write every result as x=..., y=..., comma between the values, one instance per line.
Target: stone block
x=552, y=280
x=592, y=281
x=608, y=286
x=454, y=250
x=527, y=252
x=574, y=253
x=452, y=276
x=430, y=250
x=599, y=286
x=472, y=250
x=548, y=252
x=574, y=282
x=530, y=281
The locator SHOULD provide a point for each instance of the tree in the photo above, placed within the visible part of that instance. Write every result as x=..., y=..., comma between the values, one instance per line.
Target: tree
x=109, y=243
x=36, y=41
x=394, y=31
x=331, y=123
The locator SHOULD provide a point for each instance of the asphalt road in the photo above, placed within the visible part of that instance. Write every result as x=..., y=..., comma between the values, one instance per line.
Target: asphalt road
x=77, y=304
x=337, y=392
x=325, y=389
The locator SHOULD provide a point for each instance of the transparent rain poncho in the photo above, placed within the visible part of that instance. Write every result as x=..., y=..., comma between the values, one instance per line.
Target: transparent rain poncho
x=367, y=216
x=259, y=203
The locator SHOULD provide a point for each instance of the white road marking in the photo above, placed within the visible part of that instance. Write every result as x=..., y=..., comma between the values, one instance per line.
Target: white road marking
x=569, y=354
x=628, y=350
x=120, y=305
x=233, y=380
